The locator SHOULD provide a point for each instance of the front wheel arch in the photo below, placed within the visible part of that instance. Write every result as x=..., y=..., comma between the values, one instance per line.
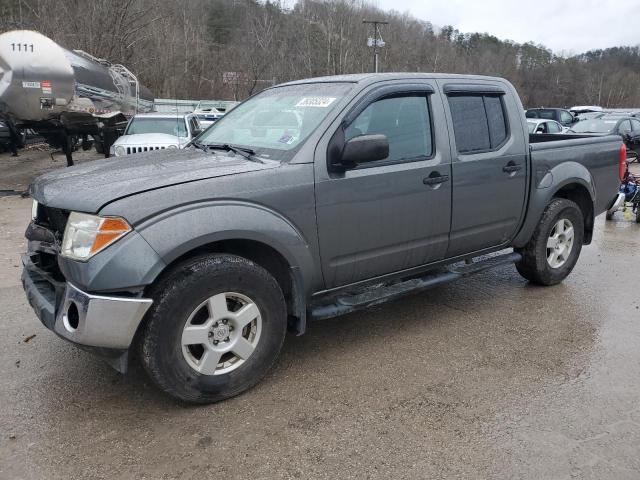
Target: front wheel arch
x=274, y=262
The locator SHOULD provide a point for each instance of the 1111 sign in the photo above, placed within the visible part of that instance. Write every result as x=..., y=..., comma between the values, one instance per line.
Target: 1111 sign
x=22, y=47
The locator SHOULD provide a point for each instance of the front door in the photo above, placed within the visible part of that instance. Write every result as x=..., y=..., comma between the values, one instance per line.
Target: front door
x=388, y=215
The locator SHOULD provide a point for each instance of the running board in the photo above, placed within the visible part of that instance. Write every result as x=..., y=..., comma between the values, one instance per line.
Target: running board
x=346, y=303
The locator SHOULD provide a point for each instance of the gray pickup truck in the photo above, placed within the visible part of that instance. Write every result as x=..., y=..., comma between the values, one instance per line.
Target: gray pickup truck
x=309, y=200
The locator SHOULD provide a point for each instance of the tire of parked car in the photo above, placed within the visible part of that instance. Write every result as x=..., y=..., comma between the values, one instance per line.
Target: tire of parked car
x=555, y=246
x=215, y=328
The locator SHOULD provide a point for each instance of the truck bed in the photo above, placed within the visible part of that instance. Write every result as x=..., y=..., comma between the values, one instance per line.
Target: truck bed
x=596, y=154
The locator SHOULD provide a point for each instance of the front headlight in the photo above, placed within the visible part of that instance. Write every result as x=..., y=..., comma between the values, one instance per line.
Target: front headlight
x=119, y=150
x=172, y=147
x=85, y=235
x=34, y=210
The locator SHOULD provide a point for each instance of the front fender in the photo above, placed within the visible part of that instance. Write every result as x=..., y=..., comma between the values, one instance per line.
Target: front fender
x=547, y=183
x=178, y=231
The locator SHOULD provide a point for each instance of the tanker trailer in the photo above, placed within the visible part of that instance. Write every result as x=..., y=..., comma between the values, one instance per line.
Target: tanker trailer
x=64, y=95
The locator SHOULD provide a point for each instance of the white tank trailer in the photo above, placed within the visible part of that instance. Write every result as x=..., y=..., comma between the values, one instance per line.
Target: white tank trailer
x=65, y=95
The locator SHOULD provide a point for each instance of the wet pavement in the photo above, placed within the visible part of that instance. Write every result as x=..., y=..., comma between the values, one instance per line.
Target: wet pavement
x=488, y=377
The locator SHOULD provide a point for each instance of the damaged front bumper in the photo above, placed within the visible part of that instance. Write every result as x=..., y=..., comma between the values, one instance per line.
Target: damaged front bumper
x=103, y=324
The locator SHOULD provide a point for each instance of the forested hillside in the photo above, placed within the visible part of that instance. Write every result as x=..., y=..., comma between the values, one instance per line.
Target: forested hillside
x=232, y=48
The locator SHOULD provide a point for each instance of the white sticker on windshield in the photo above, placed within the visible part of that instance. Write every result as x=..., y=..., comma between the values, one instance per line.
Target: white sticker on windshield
x=322, y=102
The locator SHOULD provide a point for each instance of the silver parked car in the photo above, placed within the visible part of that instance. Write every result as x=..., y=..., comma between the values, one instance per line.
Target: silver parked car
x=537, y=125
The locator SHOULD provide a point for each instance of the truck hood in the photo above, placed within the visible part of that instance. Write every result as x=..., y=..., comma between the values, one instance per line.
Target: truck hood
x=150, y=139
x=90, y=186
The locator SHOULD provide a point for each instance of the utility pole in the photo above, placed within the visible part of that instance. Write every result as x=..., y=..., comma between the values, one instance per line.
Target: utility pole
x=375, y=41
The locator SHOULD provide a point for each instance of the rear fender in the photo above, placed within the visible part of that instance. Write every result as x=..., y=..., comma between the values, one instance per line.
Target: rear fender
x=547, y=185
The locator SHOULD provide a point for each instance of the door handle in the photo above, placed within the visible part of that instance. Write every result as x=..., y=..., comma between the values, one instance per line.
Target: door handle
x=435, y=178
x=511, y=167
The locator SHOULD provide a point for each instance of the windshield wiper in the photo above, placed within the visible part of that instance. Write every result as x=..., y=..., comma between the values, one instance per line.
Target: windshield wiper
x=247, y=153
x=200, y=146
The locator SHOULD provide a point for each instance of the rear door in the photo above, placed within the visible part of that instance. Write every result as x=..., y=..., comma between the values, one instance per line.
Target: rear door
x=489, y=165
x=393, y=214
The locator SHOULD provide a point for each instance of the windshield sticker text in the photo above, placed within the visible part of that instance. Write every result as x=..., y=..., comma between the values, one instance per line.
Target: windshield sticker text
x=321, y=102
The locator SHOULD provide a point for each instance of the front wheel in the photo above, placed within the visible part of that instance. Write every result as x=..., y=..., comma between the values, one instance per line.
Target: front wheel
x=215, y=328
x=555, y=246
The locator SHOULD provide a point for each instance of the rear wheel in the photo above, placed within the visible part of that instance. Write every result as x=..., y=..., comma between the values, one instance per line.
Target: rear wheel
x=216, y=326
x=555, y=246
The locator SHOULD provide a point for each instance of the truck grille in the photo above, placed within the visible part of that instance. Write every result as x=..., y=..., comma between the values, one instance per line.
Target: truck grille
x=44, y=254
x=131, y=150
x=53, y=218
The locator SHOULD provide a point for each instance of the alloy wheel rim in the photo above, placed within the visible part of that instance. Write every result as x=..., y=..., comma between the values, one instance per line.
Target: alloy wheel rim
x=560, y=243
x=221, y=333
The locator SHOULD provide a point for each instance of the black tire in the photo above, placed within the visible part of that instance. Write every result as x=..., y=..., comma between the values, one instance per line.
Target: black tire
x=609, y=215
x=534, y=265
x=638, y=214
x=177, y=295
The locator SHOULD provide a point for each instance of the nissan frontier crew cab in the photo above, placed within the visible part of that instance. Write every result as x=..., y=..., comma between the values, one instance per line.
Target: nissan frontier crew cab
x=309, y=200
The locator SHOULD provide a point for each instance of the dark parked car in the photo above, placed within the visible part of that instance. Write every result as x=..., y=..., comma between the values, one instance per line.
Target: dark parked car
x=560, y=115
x=349, y=191
x=625, y=126
x=5, y=138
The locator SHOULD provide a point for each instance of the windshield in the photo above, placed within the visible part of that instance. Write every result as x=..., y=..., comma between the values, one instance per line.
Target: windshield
x=170, y=126
x=531, y=126
x=277, y=121
x=595, y=126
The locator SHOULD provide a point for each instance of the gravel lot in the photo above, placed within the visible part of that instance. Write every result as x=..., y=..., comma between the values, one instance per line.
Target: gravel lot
x=485, y=378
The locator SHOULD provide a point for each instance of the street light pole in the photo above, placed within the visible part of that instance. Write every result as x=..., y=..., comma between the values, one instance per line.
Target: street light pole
x=376, y=41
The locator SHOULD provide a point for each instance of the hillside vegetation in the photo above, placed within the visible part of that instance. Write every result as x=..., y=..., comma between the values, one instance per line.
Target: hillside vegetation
x=233, y=48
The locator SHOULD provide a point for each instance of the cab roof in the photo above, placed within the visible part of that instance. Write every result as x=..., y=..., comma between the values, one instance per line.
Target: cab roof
x=367, y=78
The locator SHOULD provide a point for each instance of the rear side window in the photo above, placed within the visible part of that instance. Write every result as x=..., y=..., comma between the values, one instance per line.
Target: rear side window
x=479, y=122
x=496, y=120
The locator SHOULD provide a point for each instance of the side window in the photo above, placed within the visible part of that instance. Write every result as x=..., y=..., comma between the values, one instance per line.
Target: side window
x=479, y=122
x=635, y=125
x=624, y=127
x=496, y=120
x=554, y=127
x=404, y=120
x=566, y=118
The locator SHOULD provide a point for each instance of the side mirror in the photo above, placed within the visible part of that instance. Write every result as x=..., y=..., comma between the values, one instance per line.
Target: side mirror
x=364, y=148
x=196, y=131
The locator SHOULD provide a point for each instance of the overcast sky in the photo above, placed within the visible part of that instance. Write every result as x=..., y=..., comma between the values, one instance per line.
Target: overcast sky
x=569, y=26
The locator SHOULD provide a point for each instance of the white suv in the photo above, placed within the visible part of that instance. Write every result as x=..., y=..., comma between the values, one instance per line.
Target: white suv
x=156, y=131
